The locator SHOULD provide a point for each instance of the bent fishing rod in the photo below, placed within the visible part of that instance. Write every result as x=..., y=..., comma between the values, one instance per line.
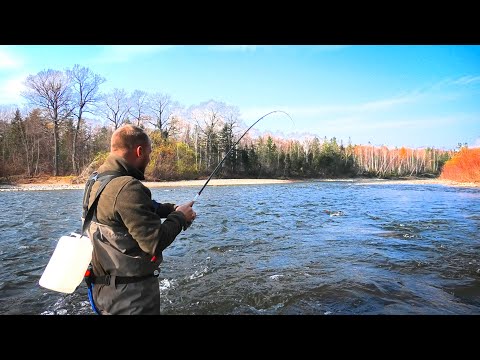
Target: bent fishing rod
x=233, y=146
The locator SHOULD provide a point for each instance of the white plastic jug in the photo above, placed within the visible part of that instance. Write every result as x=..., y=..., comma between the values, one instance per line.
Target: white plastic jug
x=67, y=266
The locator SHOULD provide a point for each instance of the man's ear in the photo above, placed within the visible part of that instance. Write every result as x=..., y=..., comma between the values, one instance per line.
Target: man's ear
x=139, y=151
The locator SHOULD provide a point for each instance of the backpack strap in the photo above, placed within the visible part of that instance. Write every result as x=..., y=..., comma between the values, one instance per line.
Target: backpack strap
x=86, y=193
x=105, y=178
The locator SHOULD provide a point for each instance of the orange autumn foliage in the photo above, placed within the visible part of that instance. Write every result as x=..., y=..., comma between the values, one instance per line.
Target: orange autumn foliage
x=464, y=166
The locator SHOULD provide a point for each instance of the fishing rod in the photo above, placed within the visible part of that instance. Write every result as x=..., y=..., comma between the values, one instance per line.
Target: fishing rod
x=233, y=146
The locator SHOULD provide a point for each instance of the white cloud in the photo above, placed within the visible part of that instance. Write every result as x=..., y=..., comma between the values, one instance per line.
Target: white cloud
x=9, y=60
x=125, y=53
x=11, y=87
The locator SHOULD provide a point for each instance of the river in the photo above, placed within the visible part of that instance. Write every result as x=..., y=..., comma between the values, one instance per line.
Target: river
x=316, y=248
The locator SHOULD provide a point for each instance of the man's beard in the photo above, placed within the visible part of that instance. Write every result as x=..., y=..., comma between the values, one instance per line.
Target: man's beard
x=142, y=167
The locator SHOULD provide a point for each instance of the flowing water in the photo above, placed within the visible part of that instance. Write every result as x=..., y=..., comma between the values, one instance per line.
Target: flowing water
x=321, y=248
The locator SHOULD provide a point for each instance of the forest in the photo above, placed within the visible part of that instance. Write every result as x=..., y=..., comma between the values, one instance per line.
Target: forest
x=65, y=131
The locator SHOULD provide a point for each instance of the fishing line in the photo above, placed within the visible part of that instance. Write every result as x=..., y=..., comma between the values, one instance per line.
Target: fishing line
x=233, y=146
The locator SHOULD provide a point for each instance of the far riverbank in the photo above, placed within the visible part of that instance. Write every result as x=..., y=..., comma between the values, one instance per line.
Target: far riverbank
x=65, y=184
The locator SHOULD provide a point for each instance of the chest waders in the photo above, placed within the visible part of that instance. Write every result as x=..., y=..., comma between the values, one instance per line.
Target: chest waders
x=88, y=215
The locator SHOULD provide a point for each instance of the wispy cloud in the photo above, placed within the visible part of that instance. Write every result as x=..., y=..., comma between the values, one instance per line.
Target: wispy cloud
x=389, y=103
x=233, y=47
x=361, y=123
x=337, y=109
x=125, y=53
x=466, y=80
x=331, y=47
x=9, y=60
x=437, y=92
x=256, y=47
x=353, y=125
x=416, y=123
x=298, y=112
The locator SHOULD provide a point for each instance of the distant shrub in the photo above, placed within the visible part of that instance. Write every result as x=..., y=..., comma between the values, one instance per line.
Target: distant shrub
x=464, y=166
x=100, y=157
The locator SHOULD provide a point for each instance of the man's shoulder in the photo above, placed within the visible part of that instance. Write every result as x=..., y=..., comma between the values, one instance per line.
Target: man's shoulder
x=130, y=184
x=125, y=189
x=126, y=180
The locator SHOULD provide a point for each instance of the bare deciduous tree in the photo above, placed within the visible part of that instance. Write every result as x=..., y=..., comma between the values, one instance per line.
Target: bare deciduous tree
x=116, y=107
x=50, y=91
x=85, y=86
x=209, y=117
x=138, y=107
x=162, y=108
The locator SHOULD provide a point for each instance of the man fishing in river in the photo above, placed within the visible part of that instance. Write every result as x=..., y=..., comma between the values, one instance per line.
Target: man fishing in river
x=126, y=230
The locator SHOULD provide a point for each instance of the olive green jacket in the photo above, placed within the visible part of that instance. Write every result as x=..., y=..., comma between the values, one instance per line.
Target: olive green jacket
x=127, y=203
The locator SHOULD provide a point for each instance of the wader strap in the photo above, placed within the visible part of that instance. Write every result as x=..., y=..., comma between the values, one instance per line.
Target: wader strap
x=121, y=279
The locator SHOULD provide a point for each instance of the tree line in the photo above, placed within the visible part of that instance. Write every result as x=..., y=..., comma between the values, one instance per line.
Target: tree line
x=65, y=129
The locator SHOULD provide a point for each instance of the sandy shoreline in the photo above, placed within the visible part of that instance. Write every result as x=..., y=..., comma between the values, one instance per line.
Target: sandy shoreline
x=149, y=184
x=229, y=182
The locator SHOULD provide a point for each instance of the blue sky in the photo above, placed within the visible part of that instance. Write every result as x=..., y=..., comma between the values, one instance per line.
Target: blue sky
x=414, y=96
